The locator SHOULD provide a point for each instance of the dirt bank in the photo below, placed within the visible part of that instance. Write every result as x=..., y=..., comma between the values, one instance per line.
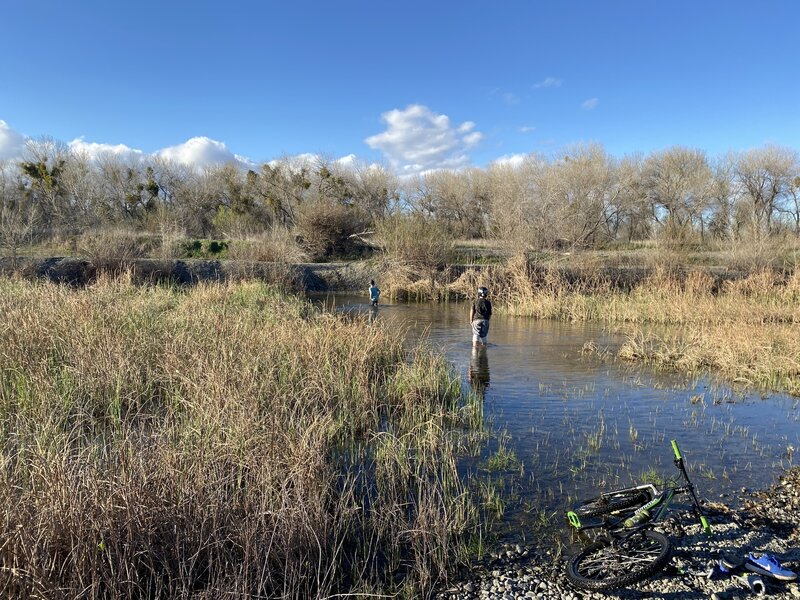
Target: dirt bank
x=312, y=277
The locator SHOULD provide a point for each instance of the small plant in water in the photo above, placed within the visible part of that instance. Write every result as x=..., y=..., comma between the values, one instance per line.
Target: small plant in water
x=492, y=497
x=652, y=476
x=502, y=460
x=632, y=433
x=708, y=473
x=594, y=440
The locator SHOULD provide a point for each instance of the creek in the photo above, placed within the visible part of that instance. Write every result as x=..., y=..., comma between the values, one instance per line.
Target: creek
x=569, y=423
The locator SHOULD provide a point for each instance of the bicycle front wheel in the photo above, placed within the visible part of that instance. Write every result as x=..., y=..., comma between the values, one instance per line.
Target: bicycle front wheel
x=606, y=566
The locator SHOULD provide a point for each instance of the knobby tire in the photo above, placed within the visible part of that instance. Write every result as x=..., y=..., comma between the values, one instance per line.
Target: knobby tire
x=603, y=566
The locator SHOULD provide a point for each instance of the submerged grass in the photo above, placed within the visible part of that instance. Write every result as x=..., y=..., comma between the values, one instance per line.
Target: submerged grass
x=221, y=440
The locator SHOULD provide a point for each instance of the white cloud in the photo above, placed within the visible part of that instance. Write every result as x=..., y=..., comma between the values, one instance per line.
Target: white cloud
x=418, y=140
x=511, y=98
x=527, y=129
x=348, y=162
x=590, y=104
x=202, y=152
x=472, y=139
x=548, y=82
x=297, y=162
x=12, y=143
x=95, y=150
x=309, y=160
x=511, y=160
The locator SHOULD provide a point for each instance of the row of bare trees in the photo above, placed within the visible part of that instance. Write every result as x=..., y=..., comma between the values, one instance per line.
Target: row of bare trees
x=586, y=197
x=583, y=197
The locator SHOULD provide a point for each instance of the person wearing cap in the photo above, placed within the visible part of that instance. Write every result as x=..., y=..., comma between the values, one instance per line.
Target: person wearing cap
x=479, y=315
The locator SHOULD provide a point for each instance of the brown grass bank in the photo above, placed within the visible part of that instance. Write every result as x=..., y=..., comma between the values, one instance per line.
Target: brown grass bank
x=745, y=328
x=220, y=441
x=748, y=330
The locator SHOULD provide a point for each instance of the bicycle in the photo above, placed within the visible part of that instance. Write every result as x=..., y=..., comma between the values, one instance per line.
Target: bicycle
x=626, y=549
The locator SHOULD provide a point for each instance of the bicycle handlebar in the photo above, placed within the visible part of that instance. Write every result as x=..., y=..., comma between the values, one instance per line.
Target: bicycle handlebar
x=676, y=450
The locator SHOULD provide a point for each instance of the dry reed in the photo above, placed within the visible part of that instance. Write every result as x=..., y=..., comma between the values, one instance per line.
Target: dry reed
x=746, y=329
x=220, y=441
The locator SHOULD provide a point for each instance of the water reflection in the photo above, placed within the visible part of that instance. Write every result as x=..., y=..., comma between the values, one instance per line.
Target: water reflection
x=478, y=372
x=372, y=315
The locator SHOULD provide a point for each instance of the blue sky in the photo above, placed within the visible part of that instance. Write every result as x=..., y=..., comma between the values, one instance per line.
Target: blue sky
x=415, y=85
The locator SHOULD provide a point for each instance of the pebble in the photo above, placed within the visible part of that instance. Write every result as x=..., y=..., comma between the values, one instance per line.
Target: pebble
x=764, y=524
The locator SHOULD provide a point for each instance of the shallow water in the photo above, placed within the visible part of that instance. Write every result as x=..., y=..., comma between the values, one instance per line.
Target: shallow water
x=578, y=423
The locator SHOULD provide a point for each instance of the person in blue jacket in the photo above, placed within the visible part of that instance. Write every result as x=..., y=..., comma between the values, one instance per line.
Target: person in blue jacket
x=374, y=293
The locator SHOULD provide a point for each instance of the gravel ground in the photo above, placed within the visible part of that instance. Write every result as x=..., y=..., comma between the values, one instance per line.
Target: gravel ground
x=769, y=521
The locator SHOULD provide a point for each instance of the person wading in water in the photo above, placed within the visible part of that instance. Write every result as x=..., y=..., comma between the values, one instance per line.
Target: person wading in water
x=374, y=293
x=479, y=315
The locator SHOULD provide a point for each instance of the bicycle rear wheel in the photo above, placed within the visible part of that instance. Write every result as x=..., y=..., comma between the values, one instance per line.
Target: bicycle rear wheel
x=606, y=566
x=609, y=503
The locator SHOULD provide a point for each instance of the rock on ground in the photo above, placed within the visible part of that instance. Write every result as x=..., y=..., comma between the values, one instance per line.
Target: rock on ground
x=769, y=521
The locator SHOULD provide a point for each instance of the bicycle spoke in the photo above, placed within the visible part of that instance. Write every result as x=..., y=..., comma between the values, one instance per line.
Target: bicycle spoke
x=609, y=561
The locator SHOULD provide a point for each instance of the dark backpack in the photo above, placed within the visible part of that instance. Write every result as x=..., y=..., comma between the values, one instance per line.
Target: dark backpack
x=483, y=309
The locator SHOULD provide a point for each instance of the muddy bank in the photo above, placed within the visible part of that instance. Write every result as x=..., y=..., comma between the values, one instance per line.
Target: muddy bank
x=312, y=277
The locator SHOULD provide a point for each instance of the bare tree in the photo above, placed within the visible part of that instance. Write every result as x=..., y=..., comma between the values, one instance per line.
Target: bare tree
x=794, y=196
x=456, y=200
x=721, y=198
x=678, y=184
x=585, y=191
x=283, y=186
x=764, y=176
x=19, y=218
x=41, y=168
x=634, y=213
x=376, y=189
x=83, y=188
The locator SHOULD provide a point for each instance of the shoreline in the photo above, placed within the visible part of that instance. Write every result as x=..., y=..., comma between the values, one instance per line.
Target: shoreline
x=339, y=276
x=767, y=522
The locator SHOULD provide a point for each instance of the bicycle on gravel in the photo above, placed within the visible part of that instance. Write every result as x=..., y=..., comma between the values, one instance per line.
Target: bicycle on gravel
x=626, y=549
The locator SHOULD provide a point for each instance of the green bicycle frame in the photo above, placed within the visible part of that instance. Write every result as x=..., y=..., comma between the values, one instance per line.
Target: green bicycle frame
x=660, y=501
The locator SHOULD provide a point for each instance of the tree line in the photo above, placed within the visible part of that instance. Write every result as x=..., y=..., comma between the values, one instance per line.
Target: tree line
x=581, y=197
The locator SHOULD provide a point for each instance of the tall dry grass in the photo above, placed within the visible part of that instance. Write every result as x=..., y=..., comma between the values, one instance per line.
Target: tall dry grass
x=220, y=441
x=277, y=245
x=746, y=329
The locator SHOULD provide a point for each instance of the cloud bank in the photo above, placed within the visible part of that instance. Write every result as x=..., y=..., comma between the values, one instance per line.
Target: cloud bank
x=95, y=151
x=12, y=143
x=200, y=152
x=197, y=152
x=510, y=160
x=417, y=140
